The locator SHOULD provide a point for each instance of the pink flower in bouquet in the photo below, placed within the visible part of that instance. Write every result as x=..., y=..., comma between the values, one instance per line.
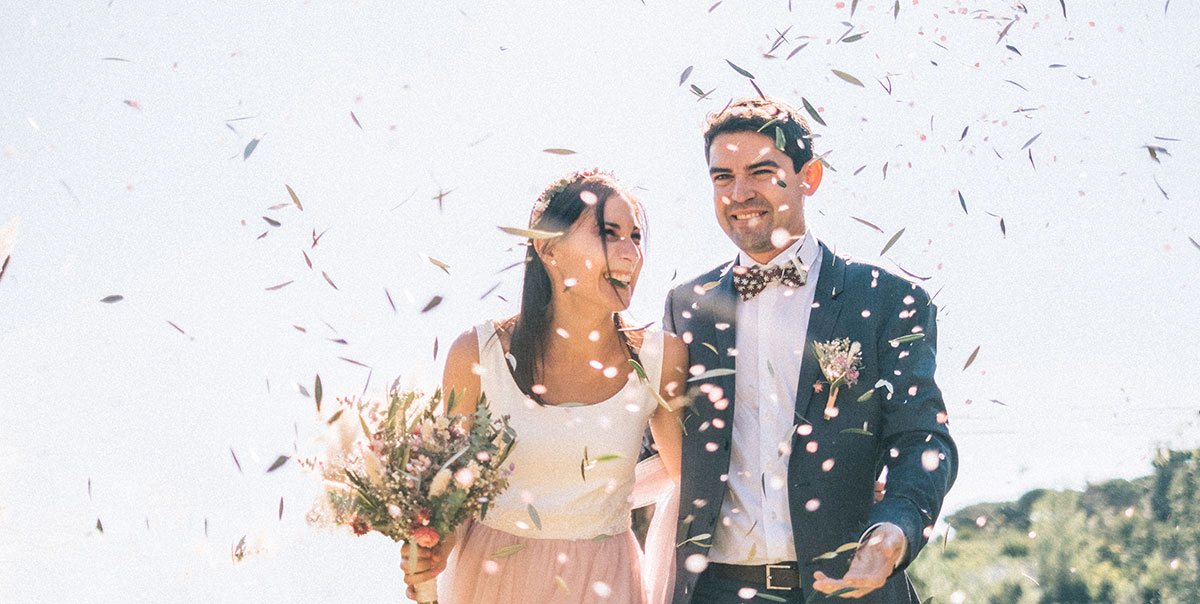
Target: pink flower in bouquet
x=359, y=525
x=464, y=477
x=426, y=537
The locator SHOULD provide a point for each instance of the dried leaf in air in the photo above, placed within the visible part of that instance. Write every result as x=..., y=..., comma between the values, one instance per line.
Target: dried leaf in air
x=854, y=38
x=280, y=286
x=740, y=70
x=867, y=223
x=553, y=151
x=780, y=141
x=111, y=299
x=281, y=508
x=328, y=280
x=533, y=515
x=235, y=460
x=891, y=242
x=812, y=111
x=684, y=76
x=912, y=337
x=507, y=551
x=1030, y=141
x=249, y=149
x=99, y=525
x=769, y=597
x=355, y=118
x=964, y=133
x=318, y=391
x=295, y=198
x=896, y=10
x=963, y=203
x=279, y=461
x=389, y=298
x=711, y=373
x=530, y=233
x=971, y=359
x=272, y=221
x=1194, y=243
x=847, y=77
x=433, y=302
x=307, y=260
x=798, y=49
x=438, y=263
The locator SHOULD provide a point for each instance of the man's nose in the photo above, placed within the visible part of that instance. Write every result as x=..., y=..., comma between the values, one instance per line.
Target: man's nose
x=742, y=190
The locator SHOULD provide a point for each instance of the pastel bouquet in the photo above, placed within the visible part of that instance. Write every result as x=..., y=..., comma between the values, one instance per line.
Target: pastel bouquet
x=840, y=361
x=405, y=469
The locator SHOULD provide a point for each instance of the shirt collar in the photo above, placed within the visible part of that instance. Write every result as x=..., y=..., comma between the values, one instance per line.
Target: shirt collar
x=804, y=249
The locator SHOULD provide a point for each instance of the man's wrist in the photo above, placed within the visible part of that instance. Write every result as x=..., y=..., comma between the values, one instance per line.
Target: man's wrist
x=888, y=526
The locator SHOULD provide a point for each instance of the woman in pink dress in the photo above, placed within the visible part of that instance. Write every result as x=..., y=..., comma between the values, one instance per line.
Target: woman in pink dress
x=564, y=371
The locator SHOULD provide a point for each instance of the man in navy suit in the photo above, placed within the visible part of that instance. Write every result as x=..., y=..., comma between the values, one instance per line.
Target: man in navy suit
x=781, y=454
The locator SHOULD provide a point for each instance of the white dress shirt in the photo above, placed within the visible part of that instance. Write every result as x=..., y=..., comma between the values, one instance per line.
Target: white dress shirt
x=755, y=525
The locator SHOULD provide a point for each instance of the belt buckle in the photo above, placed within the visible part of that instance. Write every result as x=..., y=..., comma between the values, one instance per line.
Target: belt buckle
x=771, y=567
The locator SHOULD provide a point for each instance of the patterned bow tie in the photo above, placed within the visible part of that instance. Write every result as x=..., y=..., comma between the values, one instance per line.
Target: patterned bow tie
x=750, y=281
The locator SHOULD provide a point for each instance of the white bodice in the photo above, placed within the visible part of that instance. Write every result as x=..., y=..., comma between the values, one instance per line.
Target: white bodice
x=571, y=502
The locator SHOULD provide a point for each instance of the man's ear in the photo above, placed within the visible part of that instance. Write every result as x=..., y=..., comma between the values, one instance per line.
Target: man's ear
x=811, y=174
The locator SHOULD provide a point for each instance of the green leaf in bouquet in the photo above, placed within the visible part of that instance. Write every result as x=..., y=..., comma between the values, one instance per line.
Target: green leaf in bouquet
x=365, y=429
x=533, y=515
x=279, y=461
x=507, y=551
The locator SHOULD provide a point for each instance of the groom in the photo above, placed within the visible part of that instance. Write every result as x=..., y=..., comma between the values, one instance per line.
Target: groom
x=782, y=450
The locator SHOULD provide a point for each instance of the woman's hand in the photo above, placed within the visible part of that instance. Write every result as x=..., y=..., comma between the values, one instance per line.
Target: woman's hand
x=430, y=563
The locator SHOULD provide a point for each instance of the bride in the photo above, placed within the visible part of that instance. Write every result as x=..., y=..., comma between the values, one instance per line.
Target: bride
x=580, y=386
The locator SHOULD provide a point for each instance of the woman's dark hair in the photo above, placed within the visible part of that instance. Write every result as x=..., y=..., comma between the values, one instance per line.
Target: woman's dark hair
x=557, y=210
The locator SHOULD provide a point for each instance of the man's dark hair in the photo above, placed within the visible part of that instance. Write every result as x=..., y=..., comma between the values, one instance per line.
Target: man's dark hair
x=764, y=115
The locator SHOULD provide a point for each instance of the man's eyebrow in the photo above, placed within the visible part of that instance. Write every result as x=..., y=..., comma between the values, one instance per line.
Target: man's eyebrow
x=721, y=170
x=766, y=163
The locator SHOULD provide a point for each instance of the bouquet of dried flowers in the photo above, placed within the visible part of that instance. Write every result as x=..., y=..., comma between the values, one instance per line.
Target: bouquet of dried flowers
x=405, y=469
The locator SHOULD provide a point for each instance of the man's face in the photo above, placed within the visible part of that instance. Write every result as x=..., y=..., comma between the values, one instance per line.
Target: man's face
x=759, y=197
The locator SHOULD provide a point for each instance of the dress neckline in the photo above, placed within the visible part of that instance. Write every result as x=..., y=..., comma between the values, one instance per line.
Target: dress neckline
x=630, y=378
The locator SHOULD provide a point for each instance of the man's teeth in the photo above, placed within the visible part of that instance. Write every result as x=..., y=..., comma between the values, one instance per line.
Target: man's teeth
x=748, y=215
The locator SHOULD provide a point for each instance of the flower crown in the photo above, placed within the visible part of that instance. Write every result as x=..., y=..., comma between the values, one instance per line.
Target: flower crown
x=560, y=185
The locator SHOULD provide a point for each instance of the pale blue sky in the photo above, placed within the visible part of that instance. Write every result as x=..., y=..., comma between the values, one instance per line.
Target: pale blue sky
x=1085, y=311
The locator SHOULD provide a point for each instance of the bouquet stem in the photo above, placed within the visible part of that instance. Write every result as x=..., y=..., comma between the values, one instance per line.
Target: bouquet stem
x=830, y=409
x=426, y=592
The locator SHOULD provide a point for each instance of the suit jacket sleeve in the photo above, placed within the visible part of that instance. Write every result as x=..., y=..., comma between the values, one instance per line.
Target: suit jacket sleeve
x=916, y=446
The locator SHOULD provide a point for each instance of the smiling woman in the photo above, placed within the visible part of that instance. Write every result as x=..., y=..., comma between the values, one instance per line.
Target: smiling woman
x=580, y=387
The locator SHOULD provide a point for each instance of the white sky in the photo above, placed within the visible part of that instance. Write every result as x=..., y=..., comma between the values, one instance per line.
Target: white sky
x=1085, y=311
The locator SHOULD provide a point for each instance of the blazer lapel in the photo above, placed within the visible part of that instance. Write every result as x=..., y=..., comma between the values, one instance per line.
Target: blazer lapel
x=827, y=306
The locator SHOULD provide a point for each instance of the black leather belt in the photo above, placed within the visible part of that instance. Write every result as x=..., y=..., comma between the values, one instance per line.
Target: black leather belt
x=772, y=576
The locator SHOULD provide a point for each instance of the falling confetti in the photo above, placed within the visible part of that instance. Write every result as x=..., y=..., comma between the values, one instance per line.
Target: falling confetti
x=686, y=73
x=891, y=242
x=249, y=149
x=740, y=70
x=295, y=198
x=279, y=461
x=971, y=359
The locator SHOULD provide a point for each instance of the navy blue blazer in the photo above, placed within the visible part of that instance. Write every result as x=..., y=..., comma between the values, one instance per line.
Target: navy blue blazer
x=892, y=428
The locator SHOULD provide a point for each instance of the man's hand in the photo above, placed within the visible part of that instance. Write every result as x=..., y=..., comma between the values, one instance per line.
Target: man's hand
x=430, y=563
x=872, y=565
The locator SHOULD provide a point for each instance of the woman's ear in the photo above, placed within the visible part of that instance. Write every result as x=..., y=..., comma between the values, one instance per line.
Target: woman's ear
x=544, y=251
x=811, y=173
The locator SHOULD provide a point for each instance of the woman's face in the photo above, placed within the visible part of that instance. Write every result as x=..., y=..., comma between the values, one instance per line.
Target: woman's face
x=576, y=261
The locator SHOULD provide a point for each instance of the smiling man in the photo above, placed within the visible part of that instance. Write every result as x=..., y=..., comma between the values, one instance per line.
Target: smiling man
x=815, y=373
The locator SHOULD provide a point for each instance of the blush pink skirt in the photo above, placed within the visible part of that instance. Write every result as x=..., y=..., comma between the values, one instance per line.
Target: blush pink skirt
x=545, y=571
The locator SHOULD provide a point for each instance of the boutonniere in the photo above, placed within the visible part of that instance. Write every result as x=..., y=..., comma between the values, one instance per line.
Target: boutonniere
x=840, y=361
